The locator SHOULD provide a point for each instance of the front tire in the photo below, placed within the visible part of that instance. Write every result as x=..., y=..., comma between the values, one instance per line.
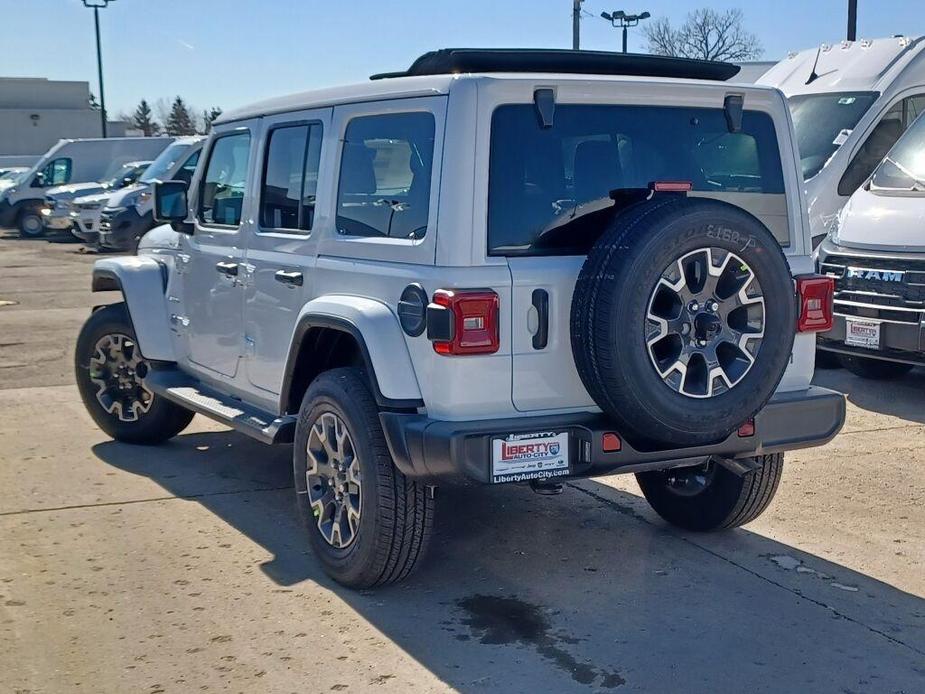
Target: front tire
x=30, y=223
x=712, y=497
x=110, y=372
x=368, y=524
x=875, y=369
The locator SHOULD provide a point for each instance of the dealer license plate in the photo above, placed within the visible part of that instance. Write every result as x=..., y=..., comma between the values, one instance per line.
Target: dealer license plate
x=522, y=457
x=862, y=333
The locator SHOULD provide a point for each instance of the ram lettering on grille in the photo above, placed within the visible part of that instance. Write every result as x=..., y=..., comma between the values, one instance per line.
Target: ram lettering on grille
x=878, y=275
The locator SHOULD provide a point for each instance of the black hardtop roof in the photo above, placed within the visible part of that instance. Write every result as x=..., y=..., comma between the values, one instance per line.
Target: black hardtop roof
x=551, y=60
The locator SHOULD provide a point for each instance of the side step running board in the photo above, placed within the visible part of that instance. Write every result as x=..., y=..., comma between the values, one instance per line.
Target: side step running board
x=187, y=392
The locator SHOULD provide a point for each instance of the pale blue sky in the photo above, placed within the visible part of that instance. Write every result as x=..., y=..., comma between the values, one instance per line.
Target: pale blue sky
x=231, y=52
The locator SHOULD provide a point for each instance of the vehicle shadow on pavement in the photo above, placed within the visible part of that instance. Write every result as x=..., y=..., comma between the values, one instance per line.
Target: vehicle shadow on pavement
x=584, y=589
x=903, y=398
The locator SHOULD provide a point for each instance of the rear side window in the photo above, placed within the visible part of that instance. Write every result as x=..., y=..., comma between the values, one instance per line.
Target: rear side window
x=290, y=178
x=386, y=165
x=221, y=196
x=551, y=190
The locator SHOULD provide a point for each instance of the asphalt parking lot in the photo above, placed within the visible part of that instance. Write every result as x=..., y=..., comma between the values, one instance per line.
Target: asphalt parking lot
x=183, y=567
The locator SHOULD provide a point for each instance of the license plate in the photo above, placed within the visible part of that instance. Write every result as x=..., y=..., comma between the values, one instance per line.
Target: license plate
x=862, y=333
x=522, y=457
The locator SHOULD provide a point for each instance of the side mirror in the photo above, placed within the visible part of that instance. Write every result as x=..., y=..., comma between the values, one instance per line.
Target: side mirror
x=171, y=205
x=38, y=180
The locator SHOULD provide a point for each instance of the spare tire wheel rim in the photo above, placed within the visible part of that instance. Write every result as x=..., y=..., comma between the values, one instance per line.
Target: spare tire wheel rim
x=333, y=480
x=117, y=370
x=705, y=322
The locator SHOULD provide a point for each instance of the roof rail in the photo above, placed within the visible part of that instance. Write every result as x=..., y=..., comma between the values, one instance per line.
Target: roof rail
x=456, y=60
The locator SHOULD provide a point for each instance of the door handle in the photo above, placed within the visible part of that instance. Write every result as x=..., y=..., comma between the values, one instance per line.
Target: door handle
x=227, y=269
x=291, y=277
x=540, y=301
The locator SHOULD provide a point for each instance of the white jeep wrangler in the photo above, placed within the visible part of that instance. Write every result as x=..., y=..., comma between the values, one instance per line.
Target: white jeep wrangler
x=498, y=266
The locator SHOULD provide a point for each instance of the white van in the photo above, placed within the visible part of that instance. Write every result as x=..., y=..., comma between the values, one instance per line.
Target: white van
x=850, y=103
x=70, y=161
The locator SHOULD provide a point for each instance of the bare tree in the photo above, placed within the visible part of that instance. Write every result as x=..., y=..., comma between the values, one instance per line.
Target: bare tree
x=706, y=34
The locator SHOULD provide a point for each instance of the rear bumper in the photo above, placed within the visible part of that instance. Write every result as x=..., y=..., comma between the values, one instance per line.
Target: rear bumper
x=899, y=341
x=432, y=450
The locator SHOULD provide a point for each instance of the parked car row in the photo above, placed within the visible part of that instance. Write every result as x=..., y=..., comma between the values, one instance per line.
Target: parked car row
x=98, y=189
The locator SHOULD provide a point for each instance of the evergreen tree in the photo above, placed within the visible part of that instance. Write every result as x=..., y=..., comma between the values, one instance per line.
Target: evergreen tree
x=94, y=104
x=208, y=117
x=180, y=121
x=143, y=120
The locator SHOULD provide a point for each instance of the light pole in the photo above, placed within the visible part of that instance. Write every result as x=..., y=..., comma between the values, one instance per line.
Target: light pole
x=852, y=20
x=96, y=5
x=576, y=24
x=619, y=19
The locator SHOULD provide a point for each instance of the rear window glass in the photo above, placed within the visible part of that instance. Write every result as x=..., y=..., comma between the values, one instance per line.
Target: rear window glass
x=550, y=190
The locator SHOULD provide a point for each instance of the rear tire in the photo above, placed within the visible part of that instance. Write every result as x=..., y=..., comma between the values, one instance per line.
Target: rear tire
x=30, y=223
x=110, y=377
x=875, y=369
x=345, y=479
x=711, y=497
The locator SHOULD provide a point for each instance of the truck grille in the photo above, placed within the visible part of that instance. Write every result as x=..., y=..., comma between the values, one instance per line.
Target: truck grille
x=872, y=289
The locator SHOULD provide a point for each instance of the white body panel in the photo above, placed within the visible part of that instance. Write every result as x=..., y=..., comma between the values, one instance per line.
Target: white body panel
x=142, y=281
x=892, y=223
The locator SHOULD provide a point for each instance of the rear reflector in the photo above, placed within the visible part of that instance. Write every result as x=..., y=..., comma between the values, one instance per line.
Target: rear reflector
x=815, y=294
x=672, y=186
x=747, y=429
x=611, y=442
x=464, y=321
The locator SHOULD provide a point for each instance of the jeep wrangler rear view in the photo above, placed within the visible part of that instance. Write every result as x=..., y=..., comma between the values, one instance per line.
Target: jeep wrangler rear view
x=497, y=266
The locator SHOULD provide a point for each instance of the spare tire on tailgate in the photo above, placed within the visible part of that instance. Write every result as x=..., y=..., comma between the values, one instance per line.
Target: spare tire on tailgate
x=683, y=320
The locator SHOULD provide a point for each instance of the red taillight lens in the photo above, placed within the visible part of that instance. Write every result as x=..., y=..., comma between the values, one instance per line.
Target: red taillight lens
x=747, y=429
x=473, y=322
x=816, y=300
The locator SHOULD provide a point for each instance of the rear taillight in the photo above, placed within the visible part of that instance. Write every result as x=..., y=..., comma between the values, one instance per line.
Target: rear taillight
x=815, y=294
x=464, y=321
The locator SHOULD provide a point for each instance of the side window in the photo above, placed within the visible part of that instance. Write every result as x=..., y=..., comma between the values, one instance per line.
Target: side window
x=185, y=172
x=290, y=178
x=385, y=172
x=221, y=193
x=55, y=173
x=879, y=142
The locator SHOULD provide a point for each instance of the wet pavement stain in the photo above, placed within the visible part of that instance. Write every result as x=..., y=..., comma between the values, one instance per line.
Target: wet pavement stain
x=496, y=620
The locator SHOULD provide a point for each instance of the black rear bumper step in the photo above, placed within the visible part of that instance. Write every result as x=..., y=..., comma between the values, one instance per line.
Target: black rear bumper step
x=433, y=450
x=178, y=387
